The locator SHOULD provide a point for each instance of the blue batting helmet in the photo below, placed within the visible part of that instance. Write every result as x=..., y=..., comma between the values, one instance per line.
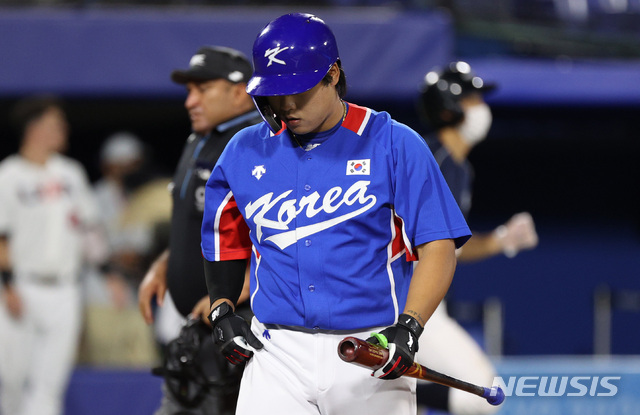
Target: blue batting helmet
x=291, y=55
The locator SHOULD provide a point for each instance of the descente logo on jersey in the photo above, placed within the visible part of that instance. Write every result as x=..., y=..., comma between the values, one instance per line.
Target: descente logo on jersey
x=288, y=209
x=258, y=171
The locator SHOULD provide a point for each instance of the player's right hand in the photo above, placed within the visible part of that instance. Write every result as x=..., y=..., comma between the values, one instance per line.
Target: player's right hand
x=402, y=342
x=232, y=334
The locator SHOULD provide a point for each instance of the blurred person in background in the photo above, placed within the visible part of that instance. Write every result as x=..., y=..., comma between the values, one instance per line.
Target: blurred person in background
x=113, y=334
x=452, y=103
x=198, y=379
x=121, y=155
x=47, y=211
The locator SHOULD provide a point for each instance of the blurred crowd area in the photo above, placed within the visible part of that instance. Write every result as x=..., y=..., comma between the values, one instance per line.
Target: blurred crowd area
x=135, y=206
x=529, y=10
x=587, y=28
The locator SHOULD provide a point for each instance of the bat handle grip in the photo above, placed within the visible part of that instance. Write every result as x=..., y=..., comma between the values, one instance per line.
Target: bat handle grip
x=495, y=395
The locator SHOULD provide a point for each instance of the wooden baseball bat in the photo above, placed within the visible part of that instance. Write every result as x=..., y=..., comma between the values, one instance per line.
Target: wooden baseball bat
x=373, y=356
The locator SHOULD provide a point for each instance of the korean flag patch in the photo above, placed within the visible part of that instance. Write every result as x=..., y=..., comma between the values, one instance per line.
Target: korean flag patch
x=360, y=167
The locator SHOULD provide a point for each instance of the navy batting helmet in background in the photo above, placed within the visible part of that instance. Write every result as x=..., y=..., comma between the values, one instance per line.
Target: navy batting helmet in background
x=441, y=91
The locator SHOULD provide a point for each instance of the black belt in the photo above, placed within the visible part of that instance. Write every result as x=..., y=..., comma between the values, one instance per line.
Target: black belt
x=317, y=330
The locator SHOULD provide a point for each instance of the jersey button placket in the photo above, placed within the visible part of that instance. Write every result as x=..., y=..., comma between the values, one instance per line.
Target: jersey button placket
x=308, y=266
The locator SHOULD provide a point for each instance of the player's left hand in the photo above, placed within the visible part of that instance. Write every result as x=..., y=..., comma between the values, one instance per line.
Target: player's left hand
x=402, y=341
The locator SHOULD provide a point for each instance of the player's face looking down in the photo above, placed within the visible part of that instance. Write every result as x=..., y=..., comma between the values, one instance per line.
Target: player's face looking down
x=318, y=109
x=212, y=102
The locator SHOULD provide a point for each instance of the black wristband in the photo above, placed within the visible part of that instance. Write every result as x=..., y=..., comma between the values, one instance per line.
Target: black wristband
x=220, y=311
x=7, y=277
x=405, y=320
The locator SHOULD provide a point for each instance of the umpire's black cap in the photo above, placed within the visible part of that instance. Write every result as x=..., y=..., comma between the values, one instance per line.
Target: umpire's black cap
x=215, y=62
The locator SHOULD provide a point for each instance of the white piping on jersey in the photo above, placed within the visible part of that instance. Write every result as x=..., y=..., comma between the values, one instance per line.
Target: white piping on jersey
x=364, y=122
x=258, y=258
x=390, y=259
x=287, y=211
x=216, y=225
x=405, y=238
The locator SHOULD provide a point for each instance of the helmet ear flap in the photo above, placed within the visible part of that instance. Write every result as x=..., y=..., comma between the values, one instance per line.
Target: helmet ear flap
x=439, y=109
x=451, y=113
x=450, y=117
x=268, y=115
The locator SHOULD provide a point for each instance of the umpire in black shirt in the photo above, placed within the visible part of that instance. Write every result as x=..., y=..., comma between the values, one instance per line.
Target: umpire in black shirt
x=198, y=379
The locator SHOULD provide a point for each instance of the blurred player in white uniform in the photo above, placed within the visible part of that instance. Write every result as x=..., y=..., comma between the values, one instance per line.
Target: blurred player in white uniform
x=46, y=210
x=452, y=104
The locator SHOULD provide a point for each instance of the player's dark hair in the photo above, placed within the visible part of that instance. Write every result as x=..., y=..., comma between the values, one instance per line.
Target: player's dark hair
x=341, y=86
x=31, y=108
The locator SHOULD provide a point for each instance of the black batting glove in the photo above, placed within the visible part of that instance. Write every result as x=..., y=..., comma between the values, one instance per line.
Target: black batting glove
x=402, y=342
x=232, y=334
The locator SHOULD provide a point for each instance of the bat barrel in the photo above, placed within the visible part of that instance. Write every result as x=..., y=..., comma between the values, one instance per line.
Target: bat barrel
x=360, y=352
x=347, y=350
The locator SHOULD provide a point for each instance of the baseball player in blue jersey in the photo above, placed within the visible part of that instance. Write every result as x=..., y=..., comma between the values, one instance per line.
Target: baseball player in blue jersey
x=329, y=201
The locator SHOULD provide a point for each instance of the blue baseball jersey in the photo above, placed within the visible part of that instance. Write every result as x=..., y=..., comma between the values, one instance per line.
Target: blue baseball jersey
x=330, y=231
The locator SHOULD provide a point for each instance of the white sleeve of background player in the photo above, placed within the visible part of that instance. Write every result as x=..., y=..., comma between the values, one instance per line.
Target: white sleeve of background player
x=95, y=244
x=6, y=203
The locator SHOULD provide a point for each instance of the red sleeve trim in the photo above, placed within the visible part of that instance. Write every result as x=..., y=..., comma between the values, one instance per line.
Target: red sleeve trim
x=233, y=234
x=398, y=245
x=357, y=118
